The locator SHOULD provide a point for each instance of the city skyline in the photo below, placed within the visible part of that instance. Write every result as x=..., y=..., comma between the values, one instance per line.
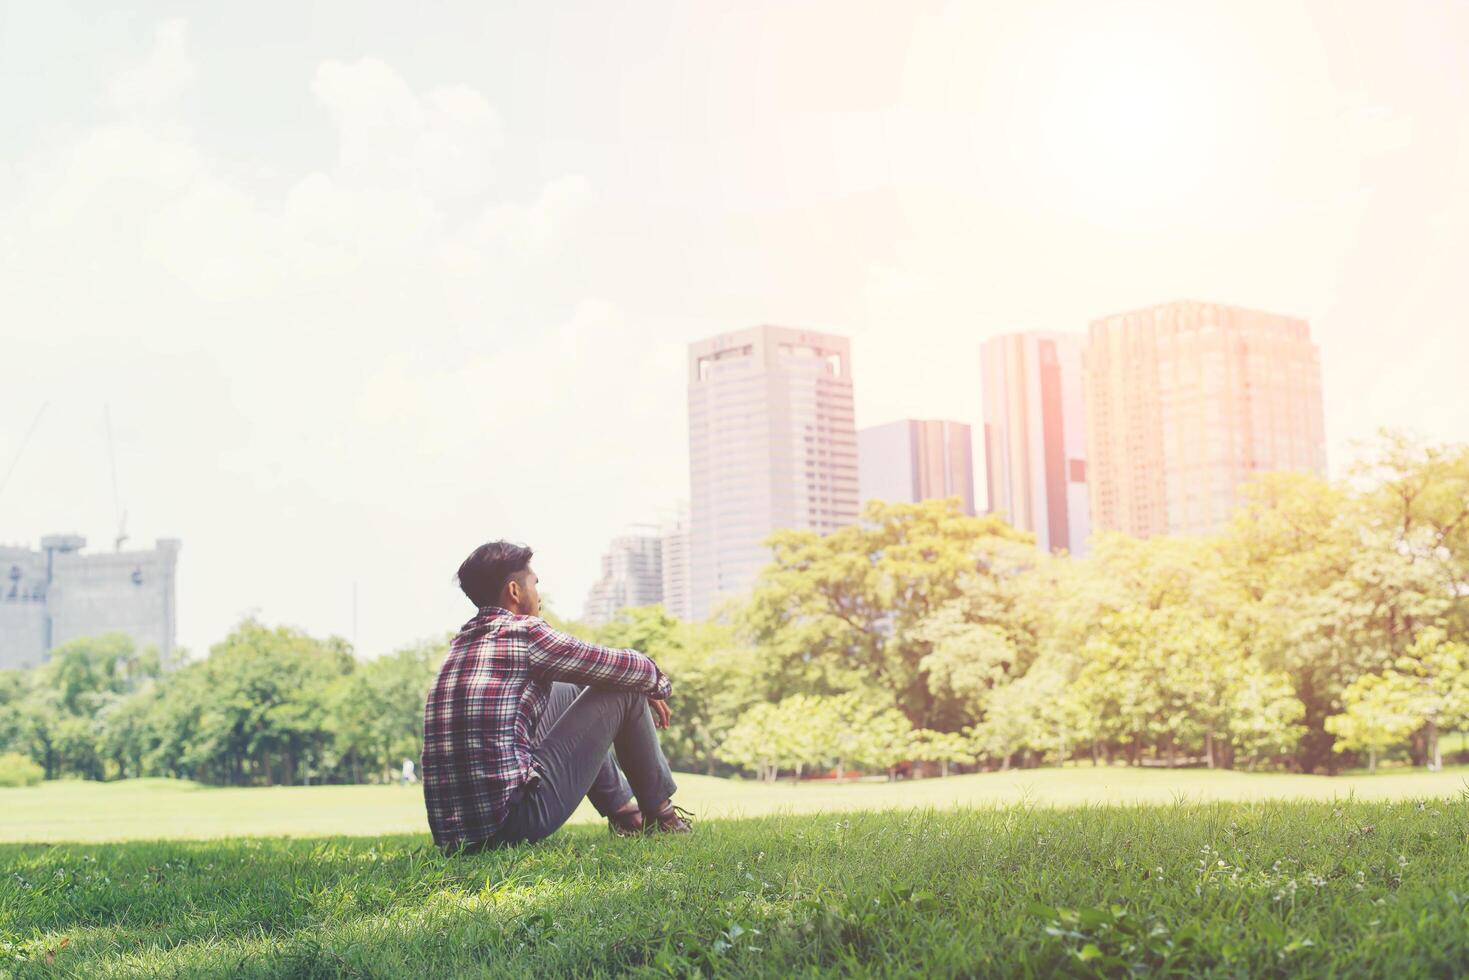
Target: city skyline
x=1006, y=360
x=1035, y=438
x=425, y=284
x=1185, y=400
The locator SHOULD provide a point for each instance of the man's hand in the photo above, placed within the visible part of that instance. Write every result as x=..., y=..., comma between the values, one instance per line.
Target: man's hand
x=661, y=714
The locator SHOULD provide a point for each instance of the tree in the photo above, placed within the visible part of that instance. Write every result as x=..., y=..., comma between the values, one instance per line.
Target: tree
x=884, y=741
x=375, y=713
x=945, y=748
x=1379, y=714
x=1326, y=585
x=969, y=661
x=1426, y=689
x=264, y=715
x=840, y=611
x=1034, y=716
x=125, y=731
x=804, y=730
x=1422, y=491
x=57, y=713
x=1265, y=715
x=750, y=744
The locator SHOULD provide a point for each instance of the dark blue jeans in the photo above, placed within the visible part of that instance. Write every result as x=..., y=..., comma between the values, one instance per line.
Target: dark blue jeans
x=577, y=736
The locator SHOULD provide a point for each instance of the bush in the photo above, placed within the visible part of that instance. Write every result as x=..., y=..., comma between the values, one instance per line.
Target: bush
x=17, y=770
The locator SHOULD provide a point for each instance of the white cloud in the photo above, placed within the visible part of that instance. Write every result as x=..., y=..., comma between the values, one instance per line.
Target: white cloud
x=154, y=84
x=366, y=372
x=441, y=143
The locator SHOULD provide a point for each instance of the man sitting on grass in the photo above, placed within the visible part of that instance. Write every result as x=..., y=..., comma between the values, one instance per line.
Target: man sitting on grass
x=521, y=719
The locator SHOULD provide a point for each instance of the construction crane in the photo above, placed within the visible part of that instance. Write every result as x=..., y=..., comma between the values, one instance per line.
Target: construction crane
x=23, y=444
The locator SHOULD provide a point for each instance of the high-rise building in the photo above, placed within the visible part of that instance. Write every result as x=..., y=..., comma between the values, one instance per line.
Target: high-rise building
x=58, y=594
x=675, y=535
x=916, y=459
x=1035, y=439
x=771, y=446
x=1185, y=402
x=632, y=575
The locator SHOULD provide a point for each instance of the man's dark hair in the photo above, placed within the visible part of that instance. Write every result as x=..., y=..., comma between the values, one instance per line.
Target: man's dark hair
x=485, y=572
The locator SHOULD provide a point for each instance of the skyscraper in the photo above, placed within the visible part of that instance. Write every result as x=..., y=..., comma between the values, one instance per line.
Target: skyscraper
x=771, y=446
x=675, y=536
x=916, y=459
x=632, y=575
x=1035, y=442
x=1186, y=401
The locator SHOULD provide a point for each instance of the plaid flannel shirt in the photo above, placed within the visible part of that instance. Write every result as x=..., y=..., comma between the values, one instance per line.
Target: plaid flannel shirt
x=484, y=706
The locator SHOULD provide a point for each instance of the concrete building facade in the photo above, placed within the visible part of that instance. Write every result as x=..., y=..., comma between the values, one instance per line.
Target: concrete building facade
x=772, y=446
x=1035, y=436
x=632, y=575
x=1186, y=401
x=916, y=459
x=675, y=536
x=57, y=594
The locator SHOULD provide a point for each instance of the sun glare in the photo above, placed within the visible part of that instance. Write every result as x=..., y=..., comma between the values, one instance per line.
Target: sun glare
x=1102, y=119
x=1120, y=129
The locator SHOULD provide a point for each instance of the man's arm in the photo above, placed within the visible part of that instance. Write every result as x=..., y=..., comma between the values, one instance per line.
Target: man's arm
x=562, y=657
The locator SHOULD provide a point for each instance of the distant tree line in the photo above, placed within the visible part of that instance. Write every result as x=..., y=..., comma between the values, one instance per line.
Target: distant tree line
x=268, y=706
x=1327, y=625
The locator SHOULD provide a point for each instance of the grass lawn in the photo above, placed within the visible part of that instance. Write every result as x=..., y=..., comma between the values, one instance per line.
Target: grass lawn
x=896, y=885
x=1226, y=889
x=161, y=808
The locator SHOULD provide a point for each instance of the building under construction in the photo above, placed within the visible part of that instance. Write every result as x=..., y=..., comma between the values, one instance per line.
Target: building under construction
x=57, y=594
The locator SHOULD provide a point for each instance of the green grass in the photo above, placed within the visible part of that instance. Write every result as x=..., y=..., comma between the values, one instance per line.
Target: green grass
x=160, y=808
x=1226, y=889
x=1195, y=885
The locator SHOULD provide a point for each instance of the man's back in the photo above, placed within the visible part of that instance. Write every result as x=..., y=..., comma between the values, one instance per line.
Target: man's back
x=484, y=705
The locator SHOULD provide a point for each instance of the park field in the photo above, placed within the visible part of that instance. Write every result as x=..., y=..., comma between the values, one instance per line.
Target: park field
x=1036, y=873
x=144, y=809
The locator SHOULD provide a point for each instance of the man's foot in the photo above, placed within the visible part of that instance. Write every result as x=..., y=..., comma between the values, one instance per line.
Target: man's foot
x=669, y=819
x=627, y=822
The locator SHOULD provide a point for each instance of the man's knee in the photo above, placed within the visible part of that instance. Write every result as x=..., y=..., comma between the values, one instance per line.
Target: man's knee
x=626, y=700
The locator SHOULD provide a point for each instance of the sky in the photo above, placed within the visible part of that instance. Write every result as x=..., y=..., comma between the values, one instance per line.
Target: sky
x=358, y=288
